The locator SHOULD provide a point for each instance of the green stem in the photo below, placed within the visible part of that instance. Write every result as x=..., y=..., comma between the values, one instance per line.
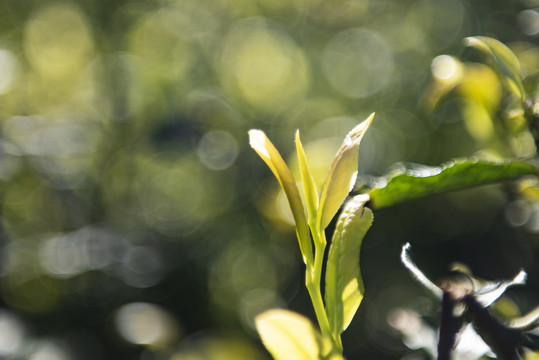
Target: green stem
x=313, y=278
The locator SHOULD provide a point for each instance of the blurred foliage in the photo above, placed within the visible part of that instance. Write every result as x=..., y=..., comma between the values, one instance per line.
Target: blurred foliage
x=137, y=224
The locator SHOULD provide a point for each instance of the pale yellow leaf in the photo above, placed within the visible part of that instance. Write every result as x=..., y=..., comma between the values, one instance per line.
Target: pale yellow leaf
x=289, y=336
x=344, y=284
x=307, y=180
x=271, y=156
x=341, y=174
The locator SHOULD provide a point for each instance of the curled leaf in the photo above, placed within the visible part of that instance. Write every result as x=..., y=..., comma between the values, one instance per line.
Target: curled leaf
x=484, y=292
x=504, y=58
x=291, y=336
x=344, y=285
x=342, y=173
x=271, y=156
x=488, y=292
x=418, y=274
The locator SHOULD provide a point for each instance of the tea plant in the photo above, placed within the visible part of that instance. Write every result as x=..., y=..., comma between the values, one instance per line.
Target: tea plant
x=288, y=335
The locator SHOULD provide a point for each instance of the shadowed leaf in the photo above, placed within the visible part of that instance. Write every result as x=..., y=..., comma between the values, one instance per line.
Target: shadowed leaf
x=504, y=58
x=410, y=182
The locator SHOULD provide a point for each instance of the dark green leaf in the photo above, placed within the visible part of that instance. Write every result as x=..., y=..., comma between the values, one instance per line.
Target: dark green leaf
x=411, y=182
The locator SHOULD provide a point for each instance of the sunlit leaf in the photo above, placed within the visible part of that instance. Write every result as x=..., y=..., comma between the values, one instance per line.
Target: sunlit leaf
x=309, y=186
x=504, y=58
x=411, y=182
x=267, y=151
x=344, y=285
x=290, y=336
x=342, y=174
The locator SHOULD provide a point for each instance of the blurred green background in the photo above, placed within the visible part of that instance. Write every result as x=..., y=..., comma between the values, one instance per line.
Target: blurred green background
x=138, y=224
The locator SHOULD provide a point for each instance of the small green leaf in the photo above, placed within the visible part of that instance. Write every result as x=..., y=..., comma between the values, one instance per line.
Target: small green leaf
x=412, y=182
x=344, y=285
x=309, y=186
x=504, y=58
x=291, y=336
x=341, y=174
x=271, y=156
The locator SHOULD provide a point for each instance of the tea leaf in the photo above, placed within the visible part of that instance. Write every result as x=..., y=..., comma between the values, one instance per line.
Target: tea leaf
x=504, y=58
x=288, y=335
x=309, y=186
x=342, y=174
x=410, y=182
x=344, y=285
x=271, y=156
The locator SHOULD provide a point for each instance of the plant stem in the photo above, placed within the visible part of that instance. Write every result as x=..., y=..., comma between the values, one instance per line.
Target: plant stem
x=313, y=278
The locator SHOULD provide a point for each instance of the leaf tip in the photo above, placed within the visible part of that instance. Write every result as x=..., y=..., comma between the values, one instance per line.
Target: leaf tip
x=255, y=136
x=362, y=127
x=470, y=41
x=257, y=140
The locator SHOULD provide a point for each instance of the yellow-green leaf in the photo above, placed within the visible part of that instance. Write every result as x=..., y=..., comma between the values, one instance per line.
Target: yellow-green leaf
x=504, y=58
x=290, y=336
x=271, y=156
x=309, y=186
x=344, y=285
x=341, y=174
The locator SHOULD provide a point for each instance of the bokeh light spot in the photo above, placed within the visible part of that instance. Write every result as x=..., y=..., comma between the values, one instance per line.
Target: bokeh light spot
x=358, y=62
x=9, y=69
x=528, y=20
x=58, y=40
x=263, y=65
x=61, y=256
x=12, y=334
x=49, y=350
x=218, y=150
x=446, y=68
x=146, y=324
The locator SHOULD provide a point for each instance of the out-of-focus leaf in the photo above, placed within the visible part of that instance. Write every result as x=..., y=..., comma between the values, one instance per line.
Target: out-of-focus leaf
x=529, y=188
x=504, y=58
x=341, y=174
x=290, y=336
x=530, y=320
x=418, y=274
x=411, y=182
x=532, y=355
x=488, y=292
x=344, y=285
x=485, y=292
x=271, y=156
x=309, y=186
